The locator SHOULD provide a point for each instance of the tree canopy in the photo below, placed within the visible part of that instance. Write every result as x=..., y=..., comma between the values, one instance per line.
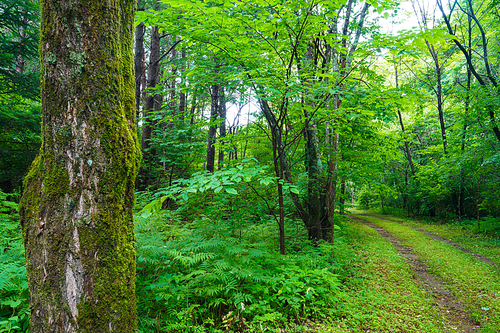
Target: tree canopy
x=261, y=123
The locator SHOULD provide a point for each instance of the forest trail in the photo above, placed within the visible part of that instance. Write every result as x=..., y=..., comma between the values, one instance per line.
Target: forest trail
x=449, y=308
x=441, y=239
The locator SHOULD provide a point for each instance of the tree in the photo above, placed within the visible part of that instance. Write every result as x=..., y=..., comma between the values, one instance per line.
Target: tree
x=488, y=78
x=153, y=103
x=76, y=212
x=19, y=90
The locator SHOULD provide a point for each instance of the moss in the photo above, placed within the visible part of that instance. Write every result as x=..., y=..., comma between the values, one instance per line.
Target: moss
x=103, y=93
x=63, y=135
x=56, y=181
x=79, y=60
x=50, y=58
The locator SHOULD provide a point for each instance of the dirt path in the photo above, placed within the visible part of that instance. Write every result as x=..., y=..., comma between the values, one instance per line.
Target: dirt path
x=441, y=239
x=455, y=317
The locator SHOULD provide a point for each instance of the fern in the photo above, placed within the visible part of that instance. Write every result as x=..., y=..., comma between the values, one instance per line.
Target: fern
x=205, y=274
x=14, y=297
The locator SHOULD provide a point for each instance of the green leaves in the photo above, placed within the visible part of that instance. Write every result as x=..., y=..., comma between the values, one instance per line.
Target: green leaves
x=207, y=272
x=201, y=182
x=14, y=297
x=231, y=191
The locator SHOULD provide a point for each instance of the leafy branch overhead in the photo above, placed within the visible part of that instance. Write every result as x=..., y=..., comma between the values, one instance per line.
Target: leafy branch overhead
x=226, y=179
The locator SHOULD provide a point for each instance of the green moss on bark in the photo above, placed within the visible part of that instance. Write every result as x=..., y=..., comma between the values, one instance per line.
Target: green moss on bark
x=77, y=209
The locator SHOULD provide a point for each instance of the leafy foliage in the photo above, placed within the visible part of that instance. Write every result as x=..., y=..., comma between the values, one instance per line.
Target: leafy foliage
x=19, y=90
x=14, y=298
x=207, y=273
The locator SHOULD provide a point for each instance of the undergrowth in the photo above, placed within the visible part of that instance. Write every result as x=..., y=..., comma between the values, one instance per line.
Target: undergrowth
x=205, y=275
x=14, y=298
x=212, y=263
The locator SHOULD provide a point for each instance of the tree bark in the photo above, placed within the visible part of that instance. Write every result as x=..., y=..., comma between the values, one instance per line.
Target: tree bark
x=212, y=130
x=222, y=128
x=76, y=212
x=153, y=102
x=139, y=65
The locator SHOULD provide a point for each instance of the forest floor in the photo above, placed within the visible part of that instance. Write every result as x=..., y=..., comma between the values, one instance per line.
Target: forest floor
x=418, y=277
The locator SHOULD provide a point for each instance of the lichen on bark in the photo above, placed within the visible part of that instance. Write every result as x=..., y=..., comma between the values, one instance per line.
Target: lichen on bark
x=76, y=211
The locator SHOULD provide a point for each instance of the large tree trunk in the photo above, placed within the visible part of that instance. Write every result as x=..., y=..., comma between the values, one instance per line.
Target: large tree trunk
x=316, y=222
x=76, y=212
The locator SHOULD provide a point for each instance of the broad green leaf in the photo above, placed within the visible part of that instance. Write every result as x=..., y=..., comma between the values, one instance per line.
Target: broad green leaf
x=231, y=191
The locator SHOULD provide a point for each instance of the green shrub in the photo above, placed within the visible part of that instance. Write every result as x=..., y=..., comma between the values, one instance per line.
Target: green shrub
x=203, y=274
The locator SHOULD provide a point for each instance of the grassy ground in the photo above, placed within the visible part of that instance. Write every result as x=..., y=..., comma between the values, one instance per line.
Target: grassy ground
x=460, y=234
x=475, y=284
x=382, y=295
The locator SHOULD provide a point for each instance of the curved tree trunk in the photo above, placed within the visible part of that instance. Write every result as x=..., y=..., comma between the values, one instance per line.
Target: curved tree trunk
x=76, y=212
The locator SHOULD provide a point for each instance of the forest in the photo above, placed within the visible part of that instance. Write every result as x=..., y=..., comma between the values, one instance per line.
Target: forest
x=284, y=166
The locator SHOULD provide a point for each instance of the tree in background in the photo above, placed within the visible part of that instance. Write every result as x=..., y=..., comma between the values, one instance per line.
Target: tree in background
x=76, y=212
x=19, y=90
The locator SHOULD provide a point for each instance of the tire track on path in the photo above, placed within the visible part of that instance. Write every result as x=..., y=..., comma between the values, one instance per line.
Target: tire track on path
x=441, y=239
x=450, y=309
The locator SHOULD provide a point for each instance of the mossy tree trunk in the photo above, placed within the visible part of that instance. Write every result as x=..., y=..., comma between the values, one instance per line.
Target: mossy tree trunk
x=76, y=212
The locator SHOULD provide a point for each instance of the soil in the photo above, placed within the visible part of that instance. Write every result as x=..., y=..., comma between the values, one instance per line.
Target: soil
x=451, y=310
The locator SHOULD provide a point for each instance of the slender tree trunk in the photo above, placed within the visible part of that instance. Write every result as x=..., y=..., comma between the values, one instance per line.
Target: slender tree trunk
x=172, y=84
x=439, y=92
x=139, y=63
x=407, y=145
x=76, y=212
x=222, y=134
x=281, y=205
x=20, y=61
x=182, y=94
x=331, y=189
x=192, y=111
x=212, y=130
x=440, y=107
x=153, y=102
x=342, y=197
x=461, y=199
x=278, y=168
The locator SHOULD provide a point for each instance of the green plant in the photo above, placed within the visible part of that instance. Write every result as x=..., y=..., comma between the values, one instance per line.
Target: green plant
x=14, y=298
x=203, y=274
